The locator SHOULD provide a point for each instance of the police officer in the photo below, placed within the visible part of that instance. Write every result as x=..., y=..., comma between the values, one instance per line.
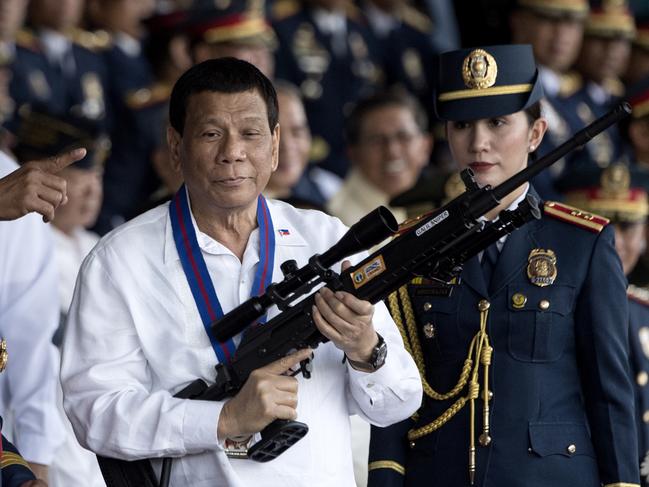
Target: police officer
x=604, y=55
x=554, y=28
x=404, y=37
x=638, y=66
x=232, y=29
x=525, y=362
x=636, y=131
x=133, y=97
x=334, y=60
x=621, y=195
x=57, y=65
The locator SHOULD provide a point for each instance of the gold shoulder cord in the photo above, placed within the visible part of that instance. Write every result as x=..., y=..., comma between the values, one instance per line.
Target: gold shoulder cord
x=480, y=352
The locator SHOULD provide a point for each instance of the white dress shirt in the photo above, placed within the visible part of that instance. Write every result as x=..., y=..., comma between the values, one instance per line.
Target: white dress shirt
x=73, y=466
x=134, y=338
x=29, y=315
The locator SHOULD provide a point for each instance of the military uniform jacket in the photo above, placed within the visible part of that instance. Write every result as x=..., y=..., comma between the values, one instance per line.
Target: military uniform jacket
x=37, y=82
x=329, y=82
x=137, y=125
x=639, y=356
x=561, y=414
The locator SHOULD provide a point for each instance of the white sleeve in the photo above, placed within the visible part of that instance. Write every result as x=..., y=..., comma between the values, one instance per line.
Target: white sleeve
x=109, y=396
x=29, y=315
x=392, y=393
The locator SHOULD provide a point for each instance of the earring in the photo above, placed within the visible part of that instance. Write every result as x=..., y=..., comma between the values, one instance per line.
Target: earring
x=532, y=147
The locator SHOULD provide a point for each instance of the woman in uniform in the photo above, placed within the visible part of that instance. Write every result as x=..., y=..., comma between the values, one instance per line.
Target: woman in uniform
x=525, y=362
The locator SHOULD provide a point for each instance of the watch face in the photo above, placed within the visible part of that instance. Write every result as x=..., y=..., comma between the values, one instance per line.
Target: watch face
x=380, y=353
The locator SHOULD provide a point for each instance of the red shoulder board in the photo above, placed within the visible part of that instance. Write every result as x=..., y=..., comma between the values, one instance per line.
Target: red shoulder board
x=638, y=294
x=570, y=214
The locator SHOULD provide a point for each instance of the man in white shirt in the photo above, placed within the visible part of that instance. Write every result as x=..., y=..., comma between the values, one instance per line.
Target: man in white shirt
x=136, y=331
x=29, y=309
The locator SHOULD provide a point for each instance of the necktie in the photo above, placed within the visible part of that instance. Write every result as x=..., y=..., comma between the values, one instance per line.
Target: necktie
x=489, y=259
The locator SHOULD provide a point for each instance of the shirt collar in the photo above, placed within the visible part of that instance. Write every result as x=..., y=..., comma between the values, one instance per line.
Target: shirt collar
x=286, y=235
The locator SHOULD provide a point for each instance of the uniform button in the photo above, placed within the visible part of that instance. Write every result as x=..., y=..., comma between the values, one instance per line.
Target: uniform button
x=642, y=378
x=519, y=300
x=544, y=305
x=572, y=449
x=412, y=444
x=429, y=330
x=427, y=306
x=529, y=450
x=491, y=395
x=645, y=417
x=483, y=305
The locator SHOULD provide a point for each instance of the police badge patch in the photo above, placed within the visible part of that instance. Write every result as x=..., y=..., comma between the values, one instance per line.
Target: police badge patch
x=542, y=267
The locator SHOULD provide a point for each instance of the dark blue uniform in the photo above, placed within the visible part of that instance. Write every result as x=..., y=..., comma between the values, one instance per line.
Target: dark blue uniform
x=563, y=122
x=80, y=89
x=408, y=54
x=329, y=82
x=639, y=355
x=14, y=471
x=561, y=410
x=137, y=116
x=606, y=148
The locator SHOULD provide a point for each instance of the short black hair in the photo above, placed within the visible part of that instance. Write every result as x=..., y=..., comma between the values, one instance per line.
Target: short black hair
x=224, y=75
x=366, y=106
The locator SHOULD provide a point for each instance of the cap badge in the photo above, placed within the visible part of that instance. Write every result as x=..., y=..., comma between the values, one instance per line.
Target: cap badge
x=616, y=181
x=542, y=267
x=479, y=70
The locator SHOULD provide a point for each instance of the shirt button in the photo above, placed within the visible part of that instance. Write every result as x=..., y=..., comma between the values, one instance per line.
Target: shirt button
x=572, y=449
x=370, y=385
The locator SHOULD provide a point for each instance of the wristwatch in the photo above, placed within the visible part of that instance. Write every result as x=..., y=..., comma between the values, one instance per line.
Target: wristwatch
x=377, y=358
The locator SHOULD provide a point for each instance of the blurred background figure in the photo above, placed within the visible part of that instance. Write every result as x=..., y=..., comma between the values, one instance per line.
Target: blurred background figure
x=603, y=59
x=554, y=28
x=57, y=64
x=292, y=179
x=388, y=147
x=635, y=131
x=638, y=66
x=333, y=58
x=403, y=35
x=239, y=29
x=133, y=98
x=621, y=196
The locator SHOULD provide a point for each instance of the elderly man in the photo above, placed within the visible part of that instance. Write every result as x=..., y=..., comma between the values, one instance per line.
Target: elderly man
x=135, y=335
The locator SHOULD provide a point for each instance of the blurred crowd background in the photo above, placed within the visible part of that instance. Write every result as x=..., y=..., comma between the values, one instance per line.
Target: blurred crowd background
x=355, y=82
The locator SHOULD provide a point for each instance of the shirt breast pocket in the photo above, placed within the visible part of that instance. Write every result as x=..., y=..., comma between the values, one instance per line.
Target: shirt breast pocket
x=540, y=321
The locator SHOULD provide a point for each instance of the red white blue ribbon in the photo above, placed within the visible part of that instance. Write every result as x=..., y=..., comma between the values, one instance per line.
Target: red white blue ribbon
x=196, y=272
